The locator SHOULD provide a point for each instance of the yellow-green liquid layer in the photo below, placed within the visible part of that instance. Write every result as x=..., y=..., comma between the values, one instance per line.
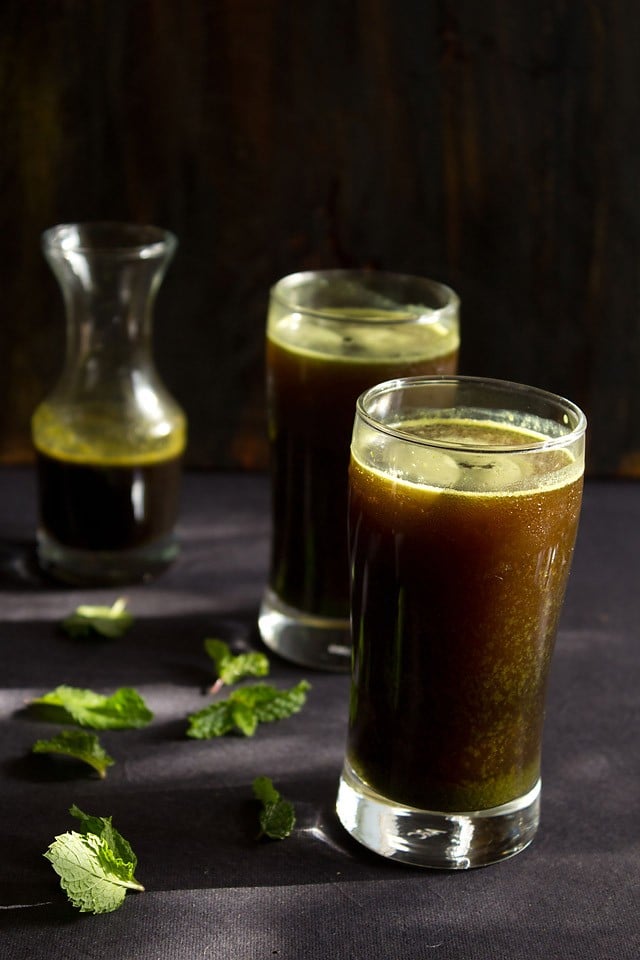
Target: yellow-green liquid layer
x=108, y=436
x=466, y=455
x=358, y=336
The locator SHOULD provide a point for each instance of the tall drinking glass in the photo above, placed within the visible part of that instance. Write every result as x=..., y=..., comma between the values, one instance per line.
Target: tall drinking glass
x=331, y=335
x=464, y=502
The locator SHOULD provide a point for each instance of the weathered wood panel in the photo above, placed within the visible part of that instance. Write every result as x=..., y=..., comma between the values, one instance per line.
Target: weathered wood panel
x=495, y=146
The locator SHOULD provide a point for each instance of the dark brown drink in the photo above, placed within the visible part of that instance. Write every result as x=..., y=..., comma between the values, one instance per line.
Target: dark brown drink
x=331, y=335
x=457, y=589
x=106, y=506
x=312, y=397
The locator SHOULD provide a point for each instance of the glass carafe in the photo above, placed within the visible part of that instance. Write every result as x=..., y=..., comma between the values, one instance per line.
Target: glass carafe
x=109, y=438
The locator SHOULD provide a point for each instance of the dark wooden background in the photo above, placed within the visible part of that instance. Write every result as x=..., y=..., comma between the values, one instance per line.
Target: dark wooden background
x=493, y=145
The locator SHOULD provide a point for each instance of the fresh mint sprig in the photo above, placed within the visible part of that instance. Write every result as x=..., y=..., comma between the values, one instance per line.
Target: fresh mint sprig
x=230, y=668
x=277, y=816
x=102, y=621
x=245, y=708
x=78, y=745
x=124, y=709
x=96, y=865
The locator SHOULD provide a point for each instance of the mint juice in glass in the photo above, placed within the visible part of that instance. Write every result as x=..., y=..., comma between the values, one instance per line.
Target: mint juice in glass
x=465, y=496
x=331, y=335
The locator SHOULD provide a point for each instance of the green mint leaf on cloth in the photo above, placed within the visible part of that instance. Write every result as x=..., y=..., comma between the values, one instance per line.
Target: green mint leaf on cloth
x=277, y=817
x=125, y=709
x=245, y=708
x=244, y=718
x=87, y=621
x=96, y=866
x=103, y=827
x=231, y=668
x=79, y=745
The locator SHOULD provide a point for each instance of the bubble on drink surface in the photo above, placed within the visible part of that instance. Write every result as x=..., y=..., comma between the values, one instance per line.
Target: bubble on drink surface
x=481, y=472
x=466, y=470
x=433, y=467
x=315, y=338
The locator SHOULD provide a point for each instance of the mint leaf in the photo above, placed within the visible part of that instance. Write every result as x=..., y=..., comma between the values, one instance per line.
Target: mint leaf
x=271, y=704
x=80, y=746
x=86, y=621
x=213, y=721
x=96, y=867
x=124, y=709
x=263, y=789
x=244, y=718
x=245, y=708
x=102, y=827
x=232, y=668
x=277, y=817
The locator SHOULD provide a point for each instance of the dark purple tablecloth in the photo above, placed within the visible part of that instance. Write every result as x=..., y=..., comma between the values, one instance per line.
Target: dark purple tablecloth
x=212, y=889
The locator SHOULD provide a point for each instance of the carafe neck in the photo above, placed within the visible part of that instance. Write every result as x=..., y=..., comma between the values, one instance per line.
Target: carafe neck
x=109, y=275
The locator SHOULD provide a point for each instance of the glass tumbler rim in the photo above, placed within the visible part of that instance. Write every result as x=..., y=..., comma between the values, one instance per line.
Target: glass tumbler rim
x=573, y=434
x=283, y=291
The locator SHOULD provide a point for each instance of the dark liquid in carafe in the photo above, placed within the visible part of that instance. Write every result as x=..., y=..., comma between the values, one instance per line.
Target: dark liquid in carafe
x=101, y=506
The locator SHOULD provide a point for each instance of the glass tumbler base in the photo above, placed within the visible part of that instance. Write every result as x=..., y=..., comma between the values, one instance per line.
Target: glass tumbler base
x=105, y=567
x=427, y=838
x=302, y=638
